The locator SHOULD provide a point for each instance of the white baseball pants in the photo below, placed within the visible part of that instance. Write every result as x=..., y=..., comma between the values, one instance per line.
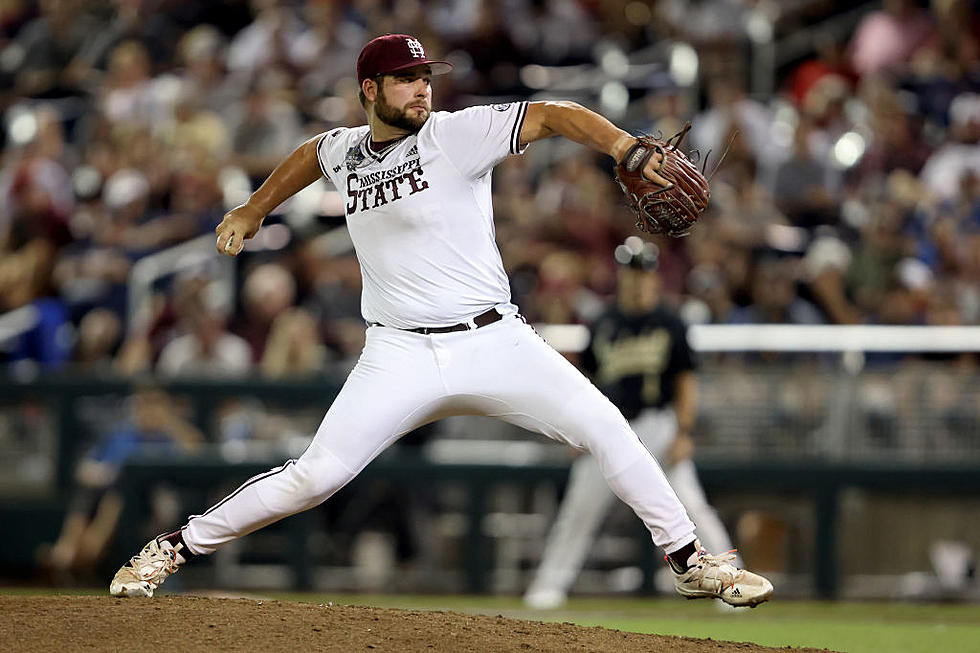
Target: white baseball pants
x=587, y=502
x=404, y=380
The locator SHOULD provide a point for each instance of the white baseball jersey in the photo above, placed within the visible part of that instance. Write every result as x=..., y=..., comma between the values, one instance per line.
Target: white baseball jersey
x=420, y=215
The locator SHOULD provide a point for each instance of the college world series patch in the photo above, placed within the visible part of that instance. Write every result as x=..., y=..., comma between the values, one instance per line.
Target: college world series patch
x=354, y=158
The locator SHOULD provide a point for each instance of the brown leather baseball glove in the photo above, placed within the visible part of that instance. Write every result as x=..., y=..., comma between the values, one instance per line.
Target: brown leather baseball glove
x=671, y=210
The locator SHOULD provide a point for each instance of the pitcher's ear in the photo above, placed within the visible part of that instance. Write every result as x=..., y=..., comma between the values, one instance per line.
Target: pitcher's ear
x=369, y=87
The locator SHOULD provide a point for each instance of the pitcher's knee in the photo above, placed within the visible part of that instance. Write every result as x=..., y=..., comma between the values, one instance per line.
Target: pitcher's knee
x=315, y=482
x=607, y=430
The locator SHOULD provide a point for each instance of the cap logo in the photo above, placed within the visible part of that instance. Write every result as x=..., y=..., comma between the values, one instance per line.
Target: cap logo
x=415, y=48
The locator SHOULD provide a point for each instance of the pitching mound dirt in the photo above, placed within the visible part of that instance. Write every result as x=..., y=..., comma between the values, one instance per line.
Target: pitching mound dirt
x=95, y=623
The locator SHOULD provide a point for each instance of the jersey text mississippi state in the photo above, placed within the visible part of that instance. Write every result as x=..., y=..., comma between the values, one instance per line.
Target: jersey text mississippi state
x=379, y=188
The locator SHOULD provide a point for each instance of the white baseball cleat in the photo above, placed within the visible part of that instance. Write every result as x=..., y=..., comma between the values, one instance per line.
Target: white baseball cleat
x=146, y=571
x=714, y=577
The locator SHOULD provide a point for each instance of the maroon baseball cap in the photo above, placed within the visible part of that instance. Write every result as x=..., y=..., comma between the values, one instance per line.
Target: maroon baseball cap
x=393, y=52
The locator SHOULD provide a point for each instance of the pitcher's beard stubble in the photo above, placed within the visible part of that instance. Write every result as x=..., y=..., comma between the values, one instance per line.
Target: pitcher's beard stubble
x=396, y=117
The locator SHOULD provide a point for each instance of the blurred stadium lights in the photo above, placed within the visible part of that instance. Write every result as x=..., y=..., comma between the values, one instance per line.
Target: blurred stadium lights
x=785, y=238
x=614, y=98
x=613, y=60
x=848, y=150
x=683, y=64
x=535, y=76
x=21, y=125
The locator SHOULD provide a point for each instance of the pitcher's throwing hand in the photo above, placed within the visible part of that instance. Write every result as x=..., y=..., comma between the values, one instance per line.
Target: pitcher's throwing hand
x=238, y=224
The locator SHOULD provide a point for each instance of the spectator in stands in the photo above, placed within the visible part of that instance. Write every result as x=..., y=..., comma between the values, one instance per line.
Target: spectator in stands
x=706, y=285
x=195, y=194
x=35, y=187
x=127, y=92
x=825, y=268
x=96, y=342
x=264, y=128
x=329, y=41
x=774, y=298
x=731, y=109
x=886, y=39
x=490, y=44
x=562, y=297
x=193, y=128
x=746, y=208
x=293, y=348
x=823, y=78
x=881, y=247
x=205, y=348
x=331, y=292
x=264, y=43
x=802, y=185
x=897, y=139
x=331, y=285
x=91, y=271
x=33, y=226
x=177, y=101
x=204, y=76
x=44, y=47
x=136, y=230
x=714, y=22
x=155, y=426
x=959, y=156
x=269, y=290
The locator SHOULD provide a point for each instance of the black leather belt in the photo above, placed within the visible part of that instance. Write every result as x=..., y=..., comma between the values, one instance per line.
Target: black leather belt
x=481, y=320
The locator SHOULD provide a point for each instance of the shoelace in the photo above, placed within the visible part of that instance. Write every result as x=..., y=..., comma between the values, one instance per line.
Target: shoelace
x=719, y=559
x=718, y=563
x=159, y=562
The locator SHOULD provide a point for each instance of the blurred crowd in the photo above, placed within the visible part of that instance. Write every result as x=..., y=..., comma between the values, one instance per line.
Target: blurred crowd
x=850, y=194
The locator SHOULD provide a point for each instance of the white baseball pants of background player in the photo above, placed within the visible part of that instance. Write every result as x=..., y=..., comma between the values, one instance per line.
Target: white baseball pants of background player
x=587, y=501
x=404, y=380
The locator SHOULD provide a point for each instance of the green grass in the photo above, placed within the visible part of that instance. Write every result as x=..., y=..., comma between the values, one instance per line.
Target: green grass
x=843, y=626
x=850, y=627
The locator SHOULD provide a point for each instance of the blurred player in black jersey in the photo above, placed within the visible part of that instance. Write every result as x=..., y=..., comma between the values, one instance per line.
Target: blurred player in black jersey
x=638, y=355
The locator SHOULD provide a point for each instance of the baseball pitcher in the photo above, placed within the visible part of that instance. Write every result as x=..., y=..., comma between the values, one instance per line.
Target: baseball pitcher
x=443, y=337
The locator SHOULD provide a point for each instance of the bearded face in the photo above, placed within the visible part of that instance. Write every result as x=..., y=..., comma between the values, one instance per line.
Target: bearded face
x=410, y=116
